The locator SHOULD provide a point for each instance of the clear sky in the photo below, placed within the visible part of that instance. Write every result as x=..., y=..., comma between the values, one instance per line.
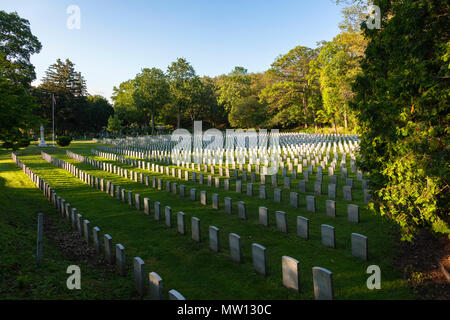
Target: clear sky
x=118, y=38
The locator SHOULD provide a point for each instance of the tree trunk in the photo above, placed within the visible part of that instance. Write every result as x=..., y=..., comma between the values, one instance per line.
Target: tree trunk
x=345, y=119
x=334, y=125
x=153, y=123
x=315, y=122
x=179, y=118
x=305, y=110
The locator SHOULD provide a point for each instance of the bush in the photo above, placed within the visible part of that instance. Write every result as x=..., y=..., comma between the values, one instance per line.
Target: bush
x=63, y=141
x=8, y=145
x=23, y=143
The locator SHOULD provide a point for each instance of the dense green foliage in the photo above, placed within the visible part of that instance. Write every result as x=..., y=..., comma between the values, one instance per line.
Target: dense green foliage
x=402, y=102
x=304, y=88
x=114, y=124
x=16, y=73
x=76, y=112
x=63, y=141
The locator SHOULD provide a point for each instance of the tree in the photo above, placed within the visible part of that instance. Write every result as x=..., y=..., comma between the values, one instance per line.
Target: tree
x=124, y=104
x=114, y=124
x=290, y=94
x=337, y=65
x=98, y=110
x=233, y=86
x=69, y=88
x=17, y=46
x=151, y=92
x=181, y=79
x=16, y=74
x=402, y=100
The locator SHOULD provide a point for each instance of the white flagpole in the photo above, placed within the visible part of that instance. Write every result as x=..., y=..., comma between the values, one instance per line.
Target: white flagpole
x=53, y=117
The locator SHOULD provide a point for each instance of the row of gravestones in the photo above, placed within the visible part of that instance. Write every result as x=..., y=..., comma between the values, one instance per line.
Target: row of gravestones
x=358, y=241
x=290, y=146
x=323, y=286
x=352, y=210
x=113, y=255
x=284, y=171
x=310, y=203
x=347, y=189
x=287, y=141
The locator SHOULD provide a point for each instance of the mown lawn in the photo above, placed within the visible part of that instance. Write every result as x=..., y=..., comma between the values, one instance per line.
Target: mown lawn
x=20, y=277
x=194, y=270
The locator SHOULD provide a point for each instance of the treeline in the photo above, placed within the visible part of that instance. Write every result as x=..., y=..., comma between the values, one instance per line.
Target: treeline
x=76, y=112
x=306, y=88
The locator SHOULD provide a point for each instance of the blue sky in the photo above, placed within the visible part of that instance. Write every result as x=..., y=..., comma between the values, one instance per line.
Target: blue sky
x=118, y=38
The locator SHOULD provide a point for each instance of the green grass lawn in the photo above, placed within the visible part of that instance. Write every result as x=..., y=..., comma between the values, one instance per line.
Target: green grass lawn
x=190, y=267
x=20, y=277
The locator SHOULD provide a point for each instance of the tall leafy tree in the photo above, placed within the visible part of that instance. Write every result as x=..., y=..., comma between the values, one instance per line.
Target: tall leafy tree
x=151, y=92
x=69, y=88
x=124, y=104
x=114, y=124
x=337, y=65
x=233, y=87
x=402, y=102
x=182, y=79
x=98, y=110
x=17, y=44
x=291, y=93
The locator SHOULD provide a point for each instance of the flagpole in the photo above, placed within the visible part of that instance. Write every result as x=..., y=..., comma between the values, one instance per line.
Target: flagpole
x=53, y=118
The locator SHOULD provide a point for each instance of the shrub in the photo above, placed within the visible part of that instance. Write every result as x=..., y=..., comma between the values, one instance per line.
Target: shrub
x=23, y=143
x=63, y=141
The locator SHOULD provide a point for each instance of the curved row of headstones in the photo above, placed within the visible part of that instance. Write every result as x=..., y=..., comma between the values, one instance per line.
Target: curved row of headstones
x=359, y=242
x=237, y=143
x=318, y=163
x=323, y=287
x=293, y=200
x=302, y=185
x=92, y=236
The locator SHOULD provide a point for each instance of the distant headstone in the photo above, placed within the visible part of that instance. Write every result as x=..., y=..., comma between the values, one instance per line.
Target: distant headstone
x=175, y=295
x=139, y=276
x=228, y=205
x=302, y=186
x=328, y=236
x=181, y=222
x=293, y=197
x=235, y=247
x=259, y=258
x=110, y=256
x=303, y=227
x=277, y=195
x=331, y=208
x=215, y=201
x=168, y=216
x=203, y=198
x=353, y=213
x=242, y=210
x=291, y=273
x=263, y=216
x=156, y=286
x=281, y=220
x=195, y=225
x=262, y=192
x=311, y=204
x=214, y=240
x=347, y=193
x=359, y=246
x=157, y=213
x=120, y=260
x=323, y=284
